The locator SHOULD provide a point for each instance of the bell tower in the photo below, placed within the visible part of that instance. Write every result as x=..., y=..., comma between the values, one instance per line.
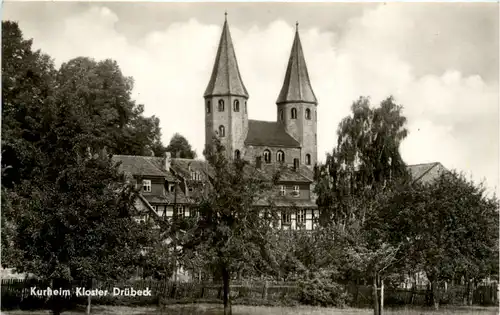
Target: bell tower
x=226, y=98
x=297, y=104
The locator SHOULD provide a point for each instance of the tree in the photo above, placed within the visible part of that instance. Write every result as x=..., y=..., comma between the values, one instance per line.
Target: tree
x=28, y=83
x=365, y=159
x=456, y=234
x=65, y=205
x=79, y=227
x=102, y=95
x=180, y=147
x=231, y=233
x=364, y=165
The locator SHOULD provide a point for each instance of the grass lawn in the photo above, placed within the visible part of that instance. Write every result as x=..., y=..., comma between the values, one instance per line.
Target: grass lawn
x=209, y=309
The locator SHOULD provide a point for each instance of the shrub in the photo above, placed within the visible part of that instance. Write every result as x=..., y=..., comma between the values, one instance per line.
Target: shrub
x=322, y=292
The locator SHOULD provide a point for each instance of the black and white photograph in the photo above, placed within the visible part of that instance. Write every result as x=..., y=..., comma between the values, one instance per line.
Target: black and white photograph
x=250, y=158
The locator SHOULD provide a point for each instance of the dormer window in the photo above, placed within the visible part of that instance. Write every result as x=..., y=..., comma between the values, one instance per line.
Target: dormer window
x=146, y=185
x=267, y=156
x=221, y=105
x=280, y=156
x=236, y=105
x=195, y=176
x=308, y=113
x=282, y=190
x=294, y=113
x=209, y=107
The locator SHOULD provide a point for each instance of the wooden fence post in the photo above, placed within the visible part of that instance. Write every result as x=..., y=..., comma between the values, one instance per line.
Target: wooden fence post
x=381, y=296
x=264, y=291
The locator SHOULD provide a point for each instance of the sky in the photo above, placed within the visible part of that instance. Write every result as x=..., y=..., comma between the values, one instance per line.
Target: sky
x=439, y=60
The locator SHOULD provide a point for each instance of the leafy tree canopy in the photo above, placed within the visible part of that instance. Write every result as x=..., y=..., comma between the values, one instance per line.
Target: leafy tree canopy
x=180, y=147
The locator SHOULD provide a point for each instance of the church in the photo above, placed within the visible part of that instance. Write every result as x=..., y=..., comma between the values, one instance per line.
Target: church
x=291, y=139
x=169, y=185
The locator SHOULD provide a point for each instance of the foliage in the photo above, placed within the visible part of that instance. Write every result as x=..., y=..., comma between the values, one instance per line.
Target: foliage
x=365, y=160
x=231, y=233
x=180, y=147
x=66, y=209
x=457, y=230
x=320, y=290
x=100, y=93
x=78, y=227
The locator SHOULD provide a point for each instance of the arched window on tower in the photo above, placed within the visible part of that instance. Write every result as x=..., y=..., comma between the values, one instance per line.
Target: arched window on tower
x=280, y=156
x=237, y=154
x=267, y=156
x=221, y=105
x=308, y=159
x=308, y=113
x=222, y=131
x=246, y=108
x=236, y=105
x=282, y=116
x=209, y=107
x=294, y=113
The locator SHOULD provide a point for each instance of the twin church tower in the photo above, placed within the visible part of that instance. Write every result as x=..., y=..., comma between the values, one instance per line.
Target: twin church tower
x=290, y=140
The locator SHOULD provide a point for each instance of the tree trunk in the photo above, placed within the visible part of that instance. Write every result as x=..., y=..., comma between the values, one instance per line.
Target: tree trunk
x=227, y=302
x=470, y=291
x=89, y=298
x=57, y=300
x=375, y=294
x=434, y=294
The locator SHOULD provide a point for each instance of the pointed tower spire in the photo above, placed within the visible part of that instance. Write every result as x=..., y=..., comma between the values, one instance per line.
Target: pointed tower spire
x=226, y=78
x=296, y=86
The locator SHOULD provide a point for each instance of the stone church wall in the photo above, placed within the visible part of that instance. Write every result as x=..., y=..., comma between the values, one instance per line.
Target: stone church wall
x=252, y=152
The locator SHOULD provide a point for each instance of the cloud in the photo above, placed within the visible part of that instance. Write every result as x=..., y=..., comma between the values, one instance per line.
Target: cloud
x=452, y=116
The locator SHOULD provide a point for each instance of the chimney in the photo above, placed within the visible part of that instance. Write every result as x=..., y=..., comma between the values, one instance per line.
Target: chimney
x=295, y=165
x=168, y=161
x=258, y=162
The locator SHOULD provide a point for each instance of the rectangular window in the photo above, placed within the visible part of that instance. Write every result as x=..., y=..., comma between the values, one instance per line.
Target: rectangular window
x=282, y=190
x=179, y=211
x=146, y=185
x=301, y=216
x=296, y=191
x=155, y=208
x=286, y=218
x=171, y=187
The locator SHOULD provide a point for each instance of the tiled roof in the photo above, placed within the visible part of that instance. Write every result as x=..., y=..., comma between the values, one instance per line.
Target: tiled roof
x=267, y=133
x=168, y=198
x=287, y=174
x=288, y=203
x=143, y=166
x=226, y=78
x=297, y=86
x=426, y=172
x=183, y=167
